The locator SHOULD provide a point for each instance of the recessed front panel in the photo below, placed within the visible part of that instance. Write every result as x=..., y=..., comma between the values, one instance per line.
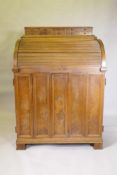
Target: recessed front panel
x=41, y=107
x=59, y=104
x=77, y=104
x=94, y=111
x=23, y=91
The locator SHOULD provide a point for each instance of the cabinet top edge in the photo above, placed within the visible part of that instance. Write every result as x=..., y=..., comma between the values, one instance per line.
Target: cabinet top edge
x=66, y=30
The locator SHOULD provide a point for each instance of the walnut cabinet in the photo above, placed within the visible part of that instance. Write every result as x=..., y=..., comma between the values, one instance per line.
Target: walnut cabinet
x=59, y=79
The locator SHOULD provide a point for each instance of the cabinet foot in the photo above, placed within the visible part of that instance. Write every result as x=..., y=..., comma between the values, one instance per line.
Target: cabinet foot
x=98, y=145
x=20, y=146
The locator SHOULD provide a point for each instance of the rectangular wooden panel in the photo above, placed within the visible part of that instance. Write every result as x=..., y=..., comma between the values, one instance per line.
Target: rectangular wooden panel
x=94, y=108
x=23, y=91
x=77, y=104
x=59, y=104
x=41, y=104
x=58, y=30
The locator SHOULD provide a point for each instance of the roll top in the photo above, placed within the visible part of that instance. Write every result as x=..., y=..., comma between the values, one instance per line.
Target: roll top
x=59, y=46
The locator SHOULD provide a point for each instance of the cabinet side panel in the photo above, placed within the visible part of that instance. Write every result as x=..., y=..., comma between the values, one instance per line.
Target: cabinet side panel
x=23, y=91
x=94, y=108
x=41, y=104
x=59, y=101
x=77, y=104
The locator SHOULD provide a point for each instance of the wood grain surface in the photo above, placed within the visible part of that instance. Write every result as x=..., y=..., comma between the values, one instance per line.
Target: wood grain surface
x=59, y=79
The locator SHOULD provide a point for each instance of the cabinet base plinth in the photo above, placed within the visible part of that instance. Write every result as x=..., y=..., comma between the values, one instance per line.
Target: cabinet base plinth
x=94, y=145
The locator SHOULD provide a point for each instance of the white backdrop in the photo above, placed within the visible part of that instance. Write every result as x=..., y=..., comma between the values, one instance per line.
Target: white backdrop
x=101, y=14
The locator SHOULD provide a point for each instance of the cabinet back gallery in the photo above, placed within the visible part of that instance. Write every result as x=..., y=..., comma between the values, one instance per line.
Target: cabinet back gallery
x=59, y=78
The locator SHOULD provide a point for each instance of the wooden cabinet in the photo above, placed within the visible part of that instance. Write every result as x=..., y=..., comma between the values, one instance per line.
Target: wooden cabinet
x=59, y=79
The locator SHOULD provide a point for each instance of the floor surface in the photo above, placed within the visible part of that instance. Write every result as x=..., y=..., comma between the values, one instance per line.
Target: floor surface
x=54, y=159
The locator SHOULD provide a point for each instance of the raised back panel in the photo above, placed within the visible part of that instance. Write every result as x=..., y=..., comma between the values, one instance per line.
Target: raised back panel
x=58, y=30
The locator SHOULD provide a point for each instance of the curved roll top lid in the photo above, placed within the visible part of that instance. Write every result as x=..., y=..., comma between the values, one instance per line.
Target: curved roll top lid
x=59, y=46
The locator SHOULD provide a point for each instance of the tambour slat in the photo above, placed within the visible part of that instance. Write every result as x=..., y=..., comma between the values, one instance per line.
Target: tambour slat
x=61, y=44
x=61, y=58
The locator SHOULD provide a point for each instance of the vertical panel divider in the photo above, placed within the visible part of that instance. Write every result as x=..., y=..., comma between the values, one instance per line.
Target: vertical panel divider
x=102, y=81
x=32, y=105
x=50, y=104
x=86, y=118
x=17, y=104
x=68, y=106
